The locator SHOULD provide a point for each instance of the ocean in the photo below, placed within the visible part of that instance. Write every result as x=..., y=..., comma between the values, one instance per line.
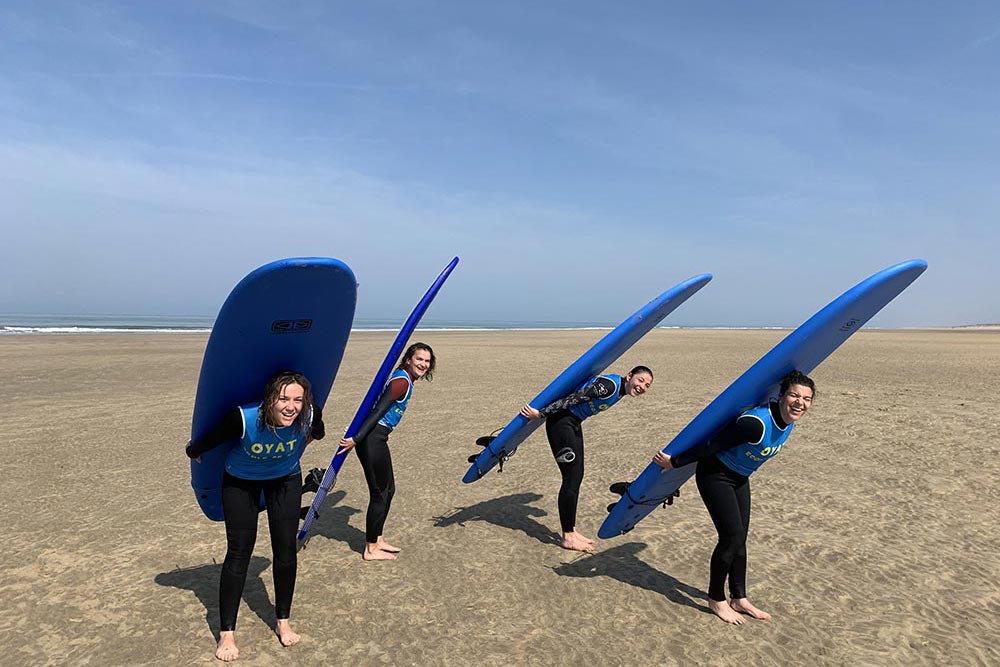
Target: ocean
x=15, y=324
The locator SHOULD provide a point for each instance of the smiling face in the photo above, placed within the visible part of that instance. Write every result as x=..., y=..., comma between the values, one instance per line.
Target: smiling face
x=418, y=363
x=794, y=402
x=288, y=404
x=638, y=384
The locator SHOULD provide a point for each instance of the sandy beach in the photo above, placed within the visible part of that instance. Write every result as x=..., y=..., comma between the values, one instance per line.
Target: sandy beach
x=871, y=540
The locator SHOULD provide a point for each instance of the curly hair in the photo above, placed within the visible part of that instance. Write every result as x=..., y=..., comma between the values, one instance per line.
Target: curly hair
x=275, y=386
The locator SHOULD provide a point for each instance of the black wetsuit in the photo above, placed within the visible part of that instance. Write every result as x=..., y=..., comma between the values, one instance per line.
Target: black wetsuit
x=372, y=446
x=565, y=434
x=726, y=494
x=240, y=508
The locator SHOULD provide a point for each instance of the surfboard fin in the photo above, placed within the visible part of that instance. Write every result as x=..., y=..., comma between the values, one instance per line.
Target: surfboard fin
x=485, y=440
x=619, y=488
x=611, y=507
x=504, y=457
x=669, y=500
x=473, y=458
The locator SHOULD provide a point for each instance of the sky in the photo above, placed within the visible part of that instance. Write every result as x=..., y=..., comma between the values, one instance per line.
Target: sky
x=580, y=157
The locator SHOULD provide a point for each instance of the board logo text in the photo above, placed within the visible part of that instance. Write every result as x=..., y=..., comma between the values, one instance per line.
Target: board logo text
x=290, y=326
x=849, y=324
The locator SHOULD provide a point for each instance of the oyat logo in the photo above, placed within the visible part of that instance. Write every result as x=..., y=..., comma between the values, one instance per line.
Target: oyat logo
x=291, y=326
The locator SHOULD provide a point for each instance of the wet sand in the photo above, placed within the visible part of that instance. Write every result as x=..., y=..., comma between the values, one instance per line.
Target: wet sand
x=873, y=540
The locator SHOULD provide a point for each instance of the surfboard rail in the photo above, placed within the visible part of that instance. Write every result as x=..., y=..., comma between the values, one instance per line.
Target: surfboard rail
x=592, y=362
x=329, y=479
x=257, y=334
x=803, y=350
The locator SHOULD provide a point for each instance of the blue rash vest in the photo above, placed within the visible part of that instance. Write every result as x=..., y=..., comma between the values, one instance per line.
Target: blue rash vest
x=600, y=404
x=391, y=418
x=265, y=452
x=746, y=458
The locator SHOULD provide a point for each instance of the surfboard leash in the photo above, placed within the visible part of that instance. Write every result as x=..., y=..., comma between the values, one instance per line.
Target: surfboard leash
x=622, y=489
x=484, y=442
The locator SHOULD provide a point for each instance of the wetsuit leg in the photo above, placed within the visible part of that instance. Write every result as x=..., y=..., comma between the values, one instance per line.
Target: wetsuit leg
x=565, y=431
x=283, y=497
x=727, y=497
x=376, y=461
x=240, y=499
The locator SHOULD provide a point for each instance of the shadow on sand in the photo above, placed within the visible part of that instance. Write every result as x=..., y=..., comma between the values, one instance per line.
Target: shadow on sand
x=203, y=581
x=333, y=523
x=513, y=512
x=622, y=564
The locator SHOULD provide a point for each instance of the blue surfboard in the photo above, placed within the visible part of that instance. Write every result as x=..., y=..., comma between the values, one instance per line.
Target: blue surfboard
x=292, y=314
x=802, y=350
x=374, y=391
x=605, y=352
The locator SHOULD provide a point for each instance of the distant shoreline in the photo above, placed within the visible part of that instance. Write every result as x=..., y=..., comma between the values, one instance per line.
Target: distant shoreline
x=21, y=324
x=13, y=330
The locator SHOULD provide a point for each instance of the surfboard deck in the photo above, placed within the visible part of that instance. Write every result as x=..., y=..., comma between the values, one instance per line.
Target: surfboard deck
x=803, y=350
x=371, y=397
x=291, y=314
x=605, y=352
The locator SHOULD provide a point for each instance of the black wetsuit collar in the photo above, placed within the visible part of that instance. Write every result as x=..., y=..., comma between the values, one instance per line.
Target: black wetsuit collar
x=776, y=415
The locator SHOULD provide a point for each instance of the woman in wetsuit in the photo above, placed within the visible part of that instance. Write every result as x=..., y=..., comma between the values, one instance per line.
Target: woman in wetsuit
x=725, y=464
x=372, y=444
x=272, y=436
x=563, y=427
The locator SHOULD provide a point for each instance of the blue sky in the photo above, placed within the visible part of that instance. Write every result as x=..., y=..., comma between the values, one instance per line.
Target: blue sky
x=581, y=157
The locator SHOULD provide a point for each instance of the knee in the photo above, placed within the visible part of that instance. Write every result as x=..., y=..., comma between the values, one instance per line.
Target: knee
x=285, y=559
x=237, y=563
x=381, y=497
x=730, y=547
x=239, y=547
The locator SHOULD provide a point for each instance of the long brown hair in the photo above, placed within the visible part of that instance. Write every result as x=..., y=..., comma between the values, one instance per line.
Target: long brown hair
x=412, y=350
x=275, y=386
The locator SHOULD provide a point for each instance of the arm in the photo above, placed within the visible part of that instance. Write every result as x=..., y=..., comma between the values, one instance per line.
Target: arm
x=230, y=428
x=317, y=430
x=599, y=388
x=396, y=391
x=745, y=429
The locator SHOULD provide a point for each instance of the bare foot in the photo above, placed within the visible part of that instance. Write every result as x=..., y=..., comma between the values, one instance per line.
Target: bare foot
x=226, y=651
x=286, y=635
x=743, y=606
x=726, y=613
x=385, y=546
x=372, y=552
x=576, y=542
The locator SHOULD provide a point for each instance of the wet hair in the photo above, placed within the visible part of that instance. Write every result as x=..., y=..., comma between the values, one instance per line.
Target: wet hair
x=277, y=383
x=796, y=377
x=641, y=369
x=412, y=350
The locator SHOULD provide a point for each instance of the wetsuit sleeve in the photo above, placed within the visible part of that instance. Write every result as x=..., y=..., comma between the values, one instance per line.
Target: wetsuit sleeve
x=318, y=429
x=599, y=388
x=397, y=390
x=743, y=430
x=230, y=428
